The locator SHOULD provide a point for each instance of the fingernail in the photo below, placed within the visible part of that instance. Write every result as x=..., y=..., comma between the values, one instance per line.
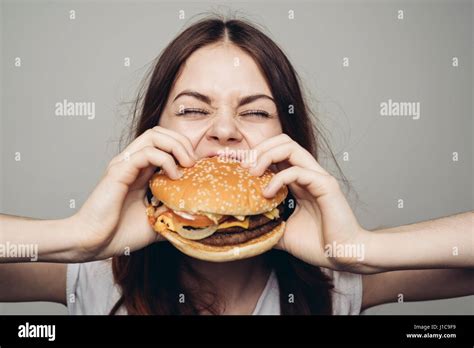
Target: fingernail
x=251, y=164
x=179, y=173
x=266, y=190
x=253, y=171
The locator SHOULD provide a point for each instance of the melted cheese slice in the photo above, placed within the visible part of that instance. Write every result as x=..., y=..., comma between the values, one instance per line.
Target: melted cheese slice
x=243, y=224
x=273, y=214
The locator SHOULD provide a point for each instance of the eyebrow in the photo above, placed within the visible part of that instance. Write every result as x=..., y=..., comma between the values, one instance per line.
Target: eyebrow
x=204, y=98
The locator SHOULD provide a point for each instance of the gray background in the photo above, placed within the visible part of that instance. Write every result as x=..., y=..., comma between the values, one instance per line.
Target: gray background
x=390, y=158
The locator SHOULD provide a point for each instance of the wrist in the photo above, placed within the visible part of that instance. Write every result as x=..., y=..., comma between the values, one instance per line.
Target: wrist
x=361, y=260
x=66, y=242
x=368, y=264
x=86, y=245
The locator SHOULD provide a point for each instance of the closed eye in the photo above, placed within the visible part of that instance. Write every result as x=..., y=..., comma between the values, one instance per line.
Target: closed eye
x=192, y=111
x=257, y=113
x=198, y=111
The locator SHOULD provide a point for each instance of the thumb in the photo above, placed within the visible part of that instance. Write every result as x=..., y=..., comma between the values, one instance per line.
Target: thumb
x=142, y=180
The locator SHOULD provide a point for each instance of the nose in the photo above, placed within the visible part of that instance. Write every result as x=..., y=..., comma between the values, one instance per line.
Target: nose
x=224, y=131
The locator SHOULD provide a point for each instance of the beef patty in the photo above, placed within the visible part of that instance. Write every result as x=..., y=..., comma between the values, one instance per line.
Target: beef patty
x=254, y=222
x=232, y=238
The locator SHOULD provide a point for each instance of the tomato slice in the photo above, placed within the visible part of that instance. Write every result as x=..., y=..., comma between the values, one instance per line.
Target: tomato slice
x=196, y=221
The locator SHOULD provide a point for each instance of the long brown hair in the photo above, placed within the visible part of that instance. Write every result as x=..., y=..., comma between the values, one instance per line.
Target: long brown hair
x=150, y=278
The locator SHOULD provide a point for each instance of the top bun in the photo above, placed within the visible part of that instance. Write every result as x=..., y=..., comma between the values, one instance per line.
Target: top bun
x=216, y=185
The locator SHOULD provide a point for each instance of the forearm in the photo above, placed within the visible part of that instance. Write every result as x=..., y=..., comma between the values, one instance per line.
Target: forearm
x=441, y=243
x=24, y=240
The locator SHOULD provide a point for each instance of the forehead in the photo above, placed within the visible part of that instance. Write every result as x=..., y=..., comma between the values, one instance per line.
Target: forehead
x=222, y=70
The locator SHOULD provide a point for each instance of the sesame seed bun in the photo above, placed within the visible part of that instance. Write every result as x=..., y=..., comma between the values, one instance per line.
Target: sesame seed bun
x=226, y=253
x=216, y=185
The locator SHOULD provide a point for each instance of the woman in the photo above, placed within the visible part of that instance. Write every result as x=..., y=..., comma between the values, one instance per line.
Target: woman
x=224, y=84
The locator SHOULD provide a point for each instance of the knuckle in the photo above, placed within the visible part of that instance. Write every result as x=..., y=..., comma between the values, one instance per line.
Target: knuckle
x=287, y=147
x=180, y=150
x=112, y=162
x=261, y=158
x=156, y=129
x=115, y=160
x=111, y=169
x=293, y=171
x=167, y=159
x=149, y=151
x=332, y=182
x=109, y=166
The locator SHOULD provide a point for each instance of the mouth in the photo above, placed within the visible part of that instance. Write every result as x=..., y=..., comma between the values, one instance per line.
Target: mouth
x=209, y=154
x=231, y=155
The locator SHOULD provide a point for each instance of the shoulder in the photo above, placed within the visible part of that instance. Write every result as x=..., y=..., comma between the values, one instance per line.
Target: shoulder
x=347, y=292
x=90, y=287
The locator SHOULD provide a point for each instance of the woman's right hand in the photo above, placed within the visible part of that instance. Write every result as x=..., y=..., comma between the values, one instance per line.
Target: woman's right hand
x=113, y=219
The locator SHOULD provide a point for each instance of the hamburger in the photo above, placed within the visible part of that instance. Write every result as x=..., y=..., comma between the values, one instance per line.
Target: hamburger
x=216, y=210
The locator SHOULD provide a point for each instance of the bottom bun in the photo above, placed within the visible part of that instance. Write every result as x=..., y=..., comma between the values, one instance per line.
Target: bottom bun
x=226, y=253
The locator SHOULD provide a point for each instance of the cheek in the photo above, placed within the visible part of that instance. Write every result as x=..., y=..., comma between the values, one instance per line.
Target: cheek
x=256, y=133
x=181, y=126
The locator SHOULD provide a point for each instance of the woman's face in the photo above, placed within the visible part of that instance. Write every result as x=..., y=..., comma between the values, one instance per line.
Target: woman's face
x=219, y=100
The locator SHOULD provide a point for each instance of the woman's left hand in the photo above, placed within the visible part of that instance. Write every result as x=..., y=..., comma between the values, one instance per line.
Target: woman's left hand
x=322, y=230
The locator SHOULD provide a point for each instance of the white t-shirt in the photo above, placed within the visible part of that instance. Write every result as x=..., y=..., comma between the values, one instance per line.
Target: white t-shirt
x=91, y=289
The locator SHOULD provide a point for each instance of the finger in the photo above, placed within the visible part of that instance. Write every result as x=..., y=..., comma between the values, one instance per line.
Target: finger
x=141, y=183
x=181, y=138
x=266, y=145
x=316, y=183
x=161, y=141
x=154, y=133
x=169, y=144
x=138, y=143
x=290, y=152
x=127, y=171
x=279, y=245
